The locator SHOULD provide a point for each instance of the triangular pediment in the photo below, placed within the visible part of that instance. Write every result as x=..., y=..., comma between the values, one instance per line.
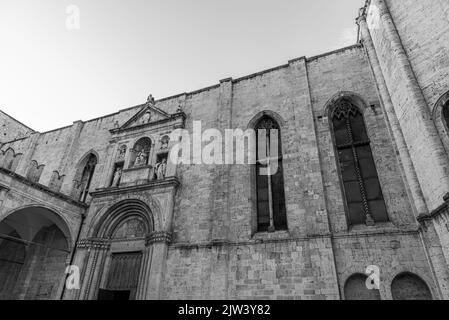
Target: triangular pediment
x=148, y=114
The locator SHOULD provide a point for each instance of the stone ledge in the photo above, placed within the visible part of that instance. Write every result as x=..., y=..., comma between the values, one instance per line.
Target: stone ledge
x=173, y=117
x=228, y=243
x=154, y=184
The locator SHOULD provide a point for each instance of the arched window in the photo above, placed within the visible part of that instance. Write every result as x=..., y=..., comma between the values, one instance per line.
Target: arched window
x=141, y=153
x=407, y=286
x=35, y=171
x=10, y=159
x=356, y=289
x=364, y=199
x=446, y=113
x=86, y=176
x=271, y=213
x=56, y=181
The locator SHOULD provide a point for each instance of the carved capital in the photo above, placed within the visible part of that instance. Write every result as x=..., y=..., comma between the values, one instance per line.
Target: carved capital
x=94, y=243
x=158, y=237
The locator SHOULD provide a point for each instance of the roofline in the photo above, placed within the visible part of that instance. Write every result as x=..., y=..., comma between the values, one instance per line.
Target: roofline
x=14, y=119
x=215, y=86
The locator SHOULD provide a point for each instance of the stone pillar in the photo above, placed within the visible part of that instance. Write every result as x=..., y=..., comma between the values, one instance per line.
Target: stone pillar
x=144, y=277
x=220, y=219
x=159, y=242
x=97, y=253
x=395, y=128
x=423, y=142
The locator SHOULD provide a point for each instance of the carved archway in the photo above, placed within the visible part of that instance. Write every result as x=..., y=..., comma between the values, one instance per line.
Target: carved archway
x=120, y=241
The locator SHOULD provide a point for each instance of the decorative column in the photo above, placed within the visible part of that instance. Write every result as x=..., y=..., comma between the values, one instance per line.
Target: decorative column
x=156, y=254
x=97, y=249
x=144, y=279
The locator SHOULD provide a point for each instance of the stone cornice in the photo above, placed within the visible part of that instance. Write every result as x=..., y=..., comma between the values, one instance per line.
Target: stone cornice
x=42, y=188
x=154, y=184
x=174, y=117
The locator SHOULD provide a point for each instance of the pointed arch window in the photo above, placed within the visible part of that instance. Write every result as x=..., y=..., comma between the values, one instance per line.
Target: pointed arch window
x=87, y=175
x=364, y=199
x=271, y=212
x=446, y=113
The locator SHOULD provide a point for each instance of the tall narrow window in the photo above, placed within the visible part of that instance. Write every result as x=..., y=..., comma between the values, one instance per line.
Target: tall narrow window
x=87, y=175
x=271, y=213
x=358, y=172
x=446, y=113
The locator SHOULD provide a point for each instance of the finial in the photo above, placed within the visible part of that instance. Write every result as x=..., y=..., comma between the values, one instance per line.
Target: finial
x=150, y=99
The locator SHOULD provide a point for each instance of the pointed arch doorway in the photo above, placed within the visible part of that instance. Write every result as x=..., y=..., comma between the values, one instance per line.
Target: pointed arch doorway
x=124, y=262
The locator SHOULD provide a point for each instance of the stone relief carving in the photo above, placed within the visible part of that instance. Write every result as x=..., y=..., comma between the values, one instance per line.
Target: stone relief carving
x=121, y=152
x=165, y=142
x=146, y=118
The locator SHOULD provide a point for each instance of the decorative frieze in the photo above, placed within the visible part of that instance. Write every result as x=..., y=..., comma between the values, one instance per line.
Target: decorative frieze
x=94, y=243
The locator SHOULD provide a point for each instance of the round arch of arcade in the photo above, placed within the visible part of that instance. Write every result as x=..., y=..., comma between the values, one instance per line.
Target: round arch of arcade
x=35, y=245
x=399, y=284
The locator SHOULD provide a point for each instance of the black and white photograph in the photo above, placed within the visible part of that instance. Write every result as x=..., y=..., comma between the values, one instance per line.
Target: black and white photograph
x=224, y=157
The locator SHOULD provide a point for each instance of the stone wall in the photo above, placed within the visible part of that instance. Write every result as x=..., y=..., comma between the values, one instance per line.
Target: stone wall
x=216, y=251
x=11, y=129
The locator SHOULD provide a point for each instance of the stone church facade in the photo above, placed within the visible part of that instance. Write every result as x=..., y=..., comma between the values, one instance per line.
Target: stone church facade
x=364, y=181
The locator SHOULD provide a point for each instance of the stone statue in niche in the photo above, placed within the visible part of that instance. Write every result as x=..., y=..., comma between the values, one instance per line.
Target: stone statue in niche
x=121, y=152
x=117, y=177
x=141, y=159
x=116, y=125
x=161, y=169
x=164, y=142
x=146, y=118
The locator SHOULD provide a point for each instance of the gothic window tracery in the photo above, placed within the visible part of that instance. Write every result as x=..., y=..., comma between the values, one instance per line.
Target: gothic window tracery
x=86, y=177
x=271, y=211
x=364, y=199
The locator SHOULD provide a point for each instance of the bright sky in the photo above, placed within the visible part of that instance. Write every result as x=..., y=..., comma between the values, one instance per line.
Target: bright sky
x=124, y=50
